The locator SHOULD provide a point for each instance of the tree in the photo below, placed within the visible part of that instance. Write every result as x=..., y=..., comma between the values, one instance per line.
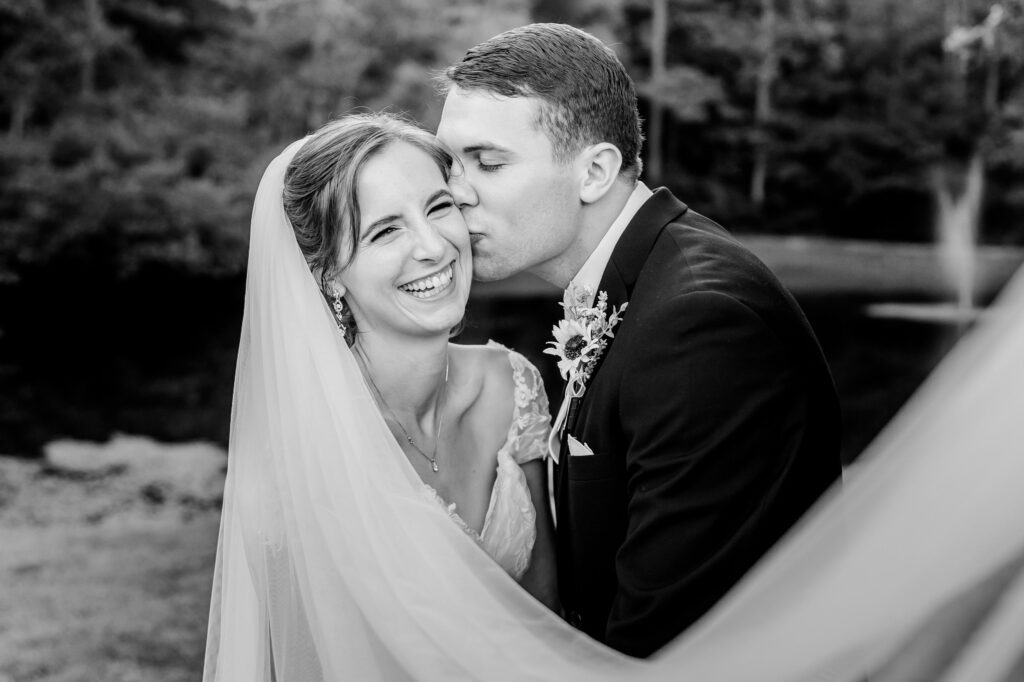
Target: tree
x=136, y=130
x=763, y=101
x=959, y=187
x=655, y=120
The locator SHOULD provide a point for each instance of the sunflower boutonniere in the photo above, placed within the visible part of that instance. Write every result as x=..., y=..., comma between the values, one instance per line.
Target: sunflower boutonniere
x=583, y=335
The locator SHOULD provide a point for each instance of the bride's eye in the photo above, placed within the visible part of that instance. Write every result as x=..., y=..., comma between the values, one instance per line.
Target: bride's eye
x=383, y=232
x=489, y=167
x=440, y=208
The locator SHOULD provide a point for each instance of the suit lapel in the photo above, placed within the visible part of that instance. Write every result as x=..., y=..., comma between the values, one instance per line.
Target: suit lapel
x=635, y=245
x=632, y=249
x=622, y=271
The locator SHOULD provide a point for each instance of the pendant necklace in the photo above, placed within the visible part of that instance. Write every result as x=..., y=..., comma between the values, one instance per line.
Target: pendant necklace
x=438, y=415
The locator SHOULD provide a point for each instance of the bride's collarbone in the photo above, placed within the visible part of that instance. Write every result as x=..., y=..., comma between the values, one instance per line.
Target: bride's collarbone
x=477, y=419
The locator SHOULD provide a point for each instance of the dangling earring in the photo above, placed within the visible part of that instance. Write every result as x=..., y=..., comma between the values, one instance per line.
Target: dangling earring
x=339, y=312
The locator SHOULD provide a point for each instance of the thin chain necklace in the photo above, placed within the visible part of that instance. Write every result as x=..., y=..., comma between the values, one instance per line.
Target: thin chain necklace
x=438, y=414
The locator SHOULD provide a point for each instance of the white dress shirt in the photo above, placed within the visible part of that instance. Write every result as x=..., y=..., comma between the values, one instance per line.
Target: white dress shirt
x=589, y=276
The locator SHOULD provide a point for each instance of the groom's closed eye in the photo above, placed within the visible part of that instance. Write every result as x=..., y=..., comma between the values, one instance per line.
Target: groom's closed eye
x=488, y=162
x=488, y=158
x=489, y=167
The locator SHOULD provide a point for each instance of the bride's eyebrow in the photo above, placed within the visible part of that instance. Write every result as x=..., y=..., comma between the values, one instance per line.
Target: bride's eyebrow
x=437, y=195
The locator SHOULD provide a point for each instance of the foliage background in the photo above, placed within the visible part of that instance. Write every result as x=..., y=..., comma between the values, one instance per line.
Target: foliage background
x=134, y=131
x=132, y=137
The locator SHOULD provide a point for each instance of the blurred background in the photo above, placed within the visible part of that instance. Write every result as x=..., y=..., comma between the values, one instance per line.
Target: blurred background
x=870, y=151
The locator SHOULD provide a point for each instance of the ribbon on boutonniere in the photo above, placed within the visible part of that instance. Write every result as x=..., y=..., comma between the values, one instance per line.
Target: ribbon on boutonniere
x=582, y=336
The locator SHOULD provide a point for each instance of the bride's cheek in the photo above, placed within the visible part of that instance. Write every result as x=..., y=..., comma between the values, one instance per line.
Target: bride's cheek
x=458, y=233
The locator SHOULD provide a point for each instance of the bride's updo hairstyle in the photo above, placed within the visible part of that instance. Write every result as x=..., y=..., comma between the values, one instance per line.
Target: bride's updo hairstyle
x=320, y=189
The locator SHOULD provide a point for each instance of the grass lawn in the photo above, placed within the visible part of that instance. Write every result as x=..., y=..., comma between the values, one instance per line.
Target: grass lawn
x=117, y=601
x=100, y=583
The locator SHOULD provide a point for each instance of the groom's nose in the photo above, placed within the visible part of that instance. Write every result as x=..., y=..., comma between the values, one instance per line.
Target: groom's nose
x=462, y=191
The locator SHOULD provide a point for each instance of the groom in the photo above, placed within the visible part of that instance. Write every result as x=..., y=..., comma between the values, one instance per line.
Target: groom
x=709, y=423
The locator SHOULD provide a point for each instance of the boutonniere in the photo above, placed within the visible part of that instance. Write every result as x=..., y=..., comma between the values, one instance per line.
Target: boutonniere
x=582, y=336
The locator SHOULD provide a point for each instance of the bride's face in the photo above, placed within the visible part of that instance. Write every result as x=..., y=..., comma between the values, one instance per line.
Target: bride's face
x=413, y=262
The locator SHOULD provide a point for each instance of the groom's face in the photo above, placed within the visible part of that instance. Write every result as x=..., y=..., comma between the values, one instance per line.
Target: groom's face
x=521, y=205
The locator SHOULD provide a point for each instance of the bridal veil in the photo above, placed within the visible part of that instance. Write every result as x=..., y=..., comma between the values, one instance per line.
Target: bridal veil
x=333, y=564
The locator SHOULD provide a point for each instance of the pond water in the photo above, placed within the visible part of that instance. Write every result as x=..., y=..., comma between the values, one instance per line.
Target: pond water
x=158, y=360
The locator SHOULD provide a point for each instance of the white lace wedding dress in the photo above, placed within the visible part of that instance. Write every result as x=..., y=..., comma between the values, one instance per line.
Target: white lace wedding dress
x=510, y=527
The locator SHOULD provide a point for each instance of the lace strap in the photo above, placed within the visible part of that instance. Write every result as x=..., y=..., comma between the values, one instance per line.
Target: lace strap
x=531, y=420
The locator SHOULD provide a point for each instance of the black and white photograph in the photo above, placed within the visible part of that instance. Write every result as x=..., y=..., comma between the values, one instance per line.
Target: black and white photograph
x=512, y=340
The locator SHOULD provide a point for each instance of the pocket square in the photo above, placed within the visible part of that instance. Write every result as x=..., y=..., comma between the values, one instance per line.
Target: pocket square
x=578, y=449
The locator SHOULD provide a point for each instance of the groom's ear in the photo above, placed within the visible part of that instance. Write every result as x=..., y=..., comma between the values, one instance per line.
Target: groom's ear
x=601, y=163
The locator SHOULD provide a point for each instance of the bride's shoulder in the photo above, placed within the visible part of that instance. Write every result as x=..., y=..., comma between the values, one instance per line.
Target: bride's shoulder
x=500, y=372
x=489, y=365
x=485, y=375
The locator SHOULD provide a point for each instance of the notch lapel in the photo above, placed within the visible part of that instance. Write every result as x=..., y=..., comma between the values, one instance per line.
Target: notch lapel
x=621, y=273
x=630, y=253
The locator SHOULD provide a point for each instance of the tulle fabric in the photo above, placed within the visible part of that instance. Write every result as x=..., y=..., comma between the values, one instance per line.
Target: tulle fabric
x=332, y=564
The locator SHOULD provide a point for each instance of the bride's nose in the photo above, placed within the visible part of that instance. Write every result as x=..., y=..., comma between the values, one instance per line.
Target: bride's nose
x=429, y=244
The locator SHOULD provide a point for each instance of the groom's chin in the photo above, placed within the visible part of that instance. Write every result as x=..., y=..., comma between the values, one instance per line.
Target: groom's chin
x=485, y=278
x=483, y=272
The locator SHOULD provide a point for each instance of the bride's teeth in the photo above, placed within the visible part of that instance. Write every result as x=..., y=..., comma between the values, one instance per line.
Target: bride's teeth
x=420, y=287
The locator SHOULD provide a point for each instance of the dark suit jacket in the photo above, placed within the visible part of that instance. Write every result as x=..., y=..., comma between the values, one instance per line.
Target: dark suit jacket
x=714, y=422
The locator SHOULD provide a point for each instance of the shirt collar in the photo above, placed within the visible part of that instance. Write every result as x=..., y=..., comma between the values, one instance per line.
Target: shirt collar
x=590, y=274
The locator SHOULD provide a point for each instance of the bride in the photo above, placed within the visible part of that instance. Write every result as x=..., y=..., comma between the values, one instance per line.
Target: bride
x=374, y=189
x=384, y=507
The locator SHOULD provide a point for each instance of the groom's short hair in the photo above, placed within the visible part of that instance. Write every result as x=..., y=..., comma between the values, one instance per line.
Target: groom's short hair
x=587, y=97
